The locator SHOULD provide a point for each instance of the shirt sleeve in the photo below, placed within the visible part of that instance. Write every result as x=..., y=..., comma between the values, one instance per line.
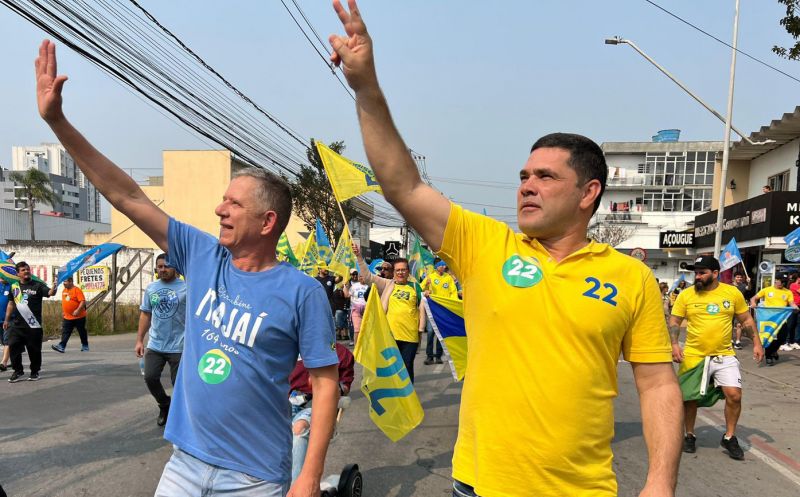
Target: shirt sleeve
x=739, y=304
x=679, y=307
x=180, y=238
x=146, y=302
x=79, y=294
x=647, y=339
x=465, y=237
x=316, y=335
x=761, y=293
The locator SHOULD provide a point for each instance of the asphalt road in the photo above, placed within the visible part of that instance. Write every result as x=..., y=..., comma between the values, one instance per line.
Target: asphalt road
x=88, y=429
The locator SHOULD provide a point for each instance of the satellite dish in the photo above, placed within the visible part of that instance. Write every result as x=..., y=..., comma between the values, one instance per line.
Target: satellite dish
x=765, y=266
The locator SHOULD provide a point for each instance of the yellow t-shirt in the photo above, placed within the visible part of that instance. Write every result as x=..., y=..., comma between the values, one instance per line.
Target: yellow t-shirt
x=544, y=337
x=709, y=315
x=441, y=285
x=403, y=312
x=774, y=297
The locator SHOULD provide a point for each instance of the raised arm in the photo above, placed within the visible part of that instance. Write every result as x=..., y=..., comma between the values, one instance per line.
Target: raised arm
x=116, y=186
x=425, y=209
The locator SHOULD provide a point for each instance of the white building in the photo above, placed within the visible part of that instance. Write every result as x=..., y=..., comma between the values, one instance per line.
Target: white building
x=656, y=189
x=758, y=220
x=78, y=198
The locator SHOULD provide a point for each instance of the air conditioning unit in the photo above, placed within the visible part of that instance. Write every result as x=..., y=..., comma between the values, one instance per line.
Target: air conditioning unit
x=682, y=266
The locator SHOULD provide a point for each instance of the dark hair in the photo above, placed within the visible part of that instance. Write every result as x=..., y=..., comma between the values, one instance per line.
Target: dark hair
x=274, y=194
x=161, y=256
x=400, y=259
x=20, y=265
x=585, y=157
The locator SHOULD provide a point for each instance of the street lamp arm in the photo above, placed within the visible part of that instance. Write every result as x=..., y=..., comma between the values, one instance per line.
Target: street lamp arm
x=617, y=41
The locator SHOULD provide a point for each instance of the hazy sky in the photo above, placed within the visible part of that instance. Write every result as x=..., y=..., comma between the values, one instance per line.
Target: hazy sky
x=471, y=84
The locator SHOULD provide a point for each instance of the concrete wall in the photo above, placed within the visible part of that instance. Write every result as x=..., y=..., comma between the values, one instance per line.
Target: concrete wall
x=738, y=171
x=781, y=159
x=45, y=259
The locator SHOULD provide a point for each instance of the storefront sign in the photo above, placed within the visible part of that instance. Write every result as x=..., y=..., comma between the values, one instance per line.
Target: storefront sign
x=772, y=215
x=676, y=239
x=792, y=253
x=94, y=278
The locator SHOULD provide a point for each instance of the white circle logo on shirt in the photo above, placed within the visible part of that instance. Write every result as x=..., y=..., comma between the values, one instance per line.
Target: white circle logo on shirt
x=522, y=272
x=214, y=367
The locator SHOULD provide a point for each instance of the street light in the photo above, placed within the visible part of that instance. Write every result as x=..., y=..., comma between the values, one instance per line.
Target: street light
x=727, y=120
x=621, y=41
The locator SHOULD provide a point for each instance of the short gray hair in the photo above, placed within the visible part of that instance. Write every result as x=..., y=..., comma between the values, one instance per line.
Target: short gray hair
x=273, y=193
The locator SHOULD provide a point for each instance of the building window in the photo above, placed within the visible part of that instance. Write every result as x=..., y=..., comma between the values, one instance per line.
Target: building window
x=679, y=168
x=674, y=200
x=779, y=182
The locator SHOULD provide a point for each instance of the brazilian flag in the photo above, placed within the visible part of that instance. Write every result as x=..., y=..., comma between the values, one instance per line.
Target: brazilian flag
x=695, y=383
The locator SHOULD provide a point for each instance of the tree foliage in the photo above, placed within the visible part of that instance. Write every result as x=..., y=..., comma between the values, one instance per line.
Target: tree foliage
x=36, y=187
x=313, y=195
x=791, y=23
x=612, y=234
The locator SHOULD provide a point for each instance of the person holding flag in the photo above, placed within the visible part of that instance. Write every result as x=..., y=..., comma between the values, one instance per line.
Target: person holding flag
x=709, y=306
x=402, y=302
x=529, y=299
x=23, y=320
x=73, y=305
x=775, y=295
x=439, y=284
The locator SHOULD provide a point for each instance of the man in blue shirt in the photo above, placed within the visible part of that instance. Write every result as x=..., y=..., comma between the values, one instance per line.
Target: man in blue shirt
x=248, y=316
x=163, y=315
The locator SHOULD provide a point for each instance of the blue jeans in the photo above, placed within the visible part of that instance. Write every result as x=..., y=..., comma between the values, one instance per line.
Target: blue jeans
x=186, y=476
x=341, y=319
x=407, y=351
x=463, y=490
x=300, y=442
x=433, y=343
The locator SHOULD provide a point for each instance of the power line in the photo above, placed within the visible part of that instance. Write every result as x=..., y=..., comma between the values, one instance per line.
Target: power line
x=720, y=41
x=313, y=45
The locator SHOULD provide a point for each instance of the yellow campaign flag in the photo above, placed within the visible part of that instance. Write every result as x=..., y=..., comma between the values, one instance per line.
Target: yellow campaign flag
x=393, y=403
x=344, y=260
x=308, y=263
x=347, y=178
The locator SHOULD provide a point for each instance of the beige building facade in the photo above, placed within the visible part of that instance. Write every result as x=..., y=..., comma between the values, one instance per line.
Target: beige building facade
x=191, y=187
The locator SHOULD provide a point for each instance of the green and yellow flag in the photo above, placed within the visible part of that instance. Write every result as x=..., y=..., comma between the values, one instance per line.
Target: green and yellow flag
x=347, y=178
x=285, y=252
x=393, y=403
x=310, y=257
x=420, y=262
x=344, y=259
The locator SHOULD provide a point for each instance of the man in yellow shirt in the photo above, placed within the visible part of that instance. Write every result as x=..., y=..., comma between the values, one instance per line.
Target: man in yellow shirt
x=709, y=306
x=438, y=284
x=547, y=313
x=775, y=295
x=402, y=301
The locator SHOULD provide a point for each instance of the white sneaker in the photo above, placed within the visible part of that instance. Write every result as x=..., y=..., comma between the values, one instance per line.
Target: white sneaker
x=785, y=347
x=795, y=346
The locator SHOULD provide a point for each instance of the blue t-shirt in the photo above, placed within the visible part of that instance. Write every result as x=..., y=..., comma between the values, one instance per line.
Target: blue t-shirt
x=244, y=331
x=166, y=303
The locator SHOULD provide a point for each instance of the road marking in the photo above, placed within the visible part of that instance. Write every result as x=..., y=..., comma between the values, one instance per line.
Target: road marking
x=769, y=460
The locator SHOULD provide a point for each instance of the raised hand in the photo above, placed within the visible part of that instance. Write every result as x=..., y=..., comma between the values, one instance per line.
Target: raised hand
x=48, y=84
x=353, y=51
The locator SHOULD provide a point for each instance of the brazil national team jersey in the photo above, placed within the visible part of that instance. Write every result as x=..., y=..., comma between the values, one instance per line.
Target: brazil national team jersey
x=709, y=314
x=441, y=285
x=774, y=297
x=544, y=337
x=403, y=312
